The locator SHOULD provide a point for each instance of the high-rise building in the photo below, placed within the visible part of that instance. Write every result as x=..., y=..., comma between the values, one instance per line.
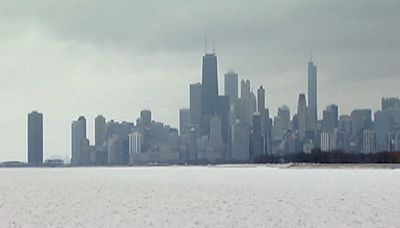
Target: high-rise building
x=215, y=139
x=253, y=106
x=35, y=138
x=223, y=114
x=209, y=91
x=291, y=142
x=240, y=142
x=312, y=96
x=342, y=139
x=361, y=120
x=135, y=146
x=261, y=100
x=393, y=141
x=284, y=113
x=281, y=123
x=100, y=130
x=383, y=123
x=184, y=121
x=195, y=104
x=244, y=88
x=78, y=139
x=232, y=86
x=330, y=118
x=390, y=103
x=257, y=144
x=246, y=96
x=302, y=116
x=369, y=142
x=345, y=123
x=327, y=141
x=145, y=115
x=114, y=148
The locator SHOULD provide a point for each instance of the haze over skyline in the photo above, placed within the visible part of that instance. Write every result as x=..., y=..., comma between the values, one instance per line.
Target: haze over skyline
x=73, y=58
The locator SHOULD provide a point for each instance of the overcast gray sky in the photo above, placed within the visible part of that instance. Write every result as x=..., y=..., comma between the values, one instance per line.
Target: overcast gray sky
x=89, y=57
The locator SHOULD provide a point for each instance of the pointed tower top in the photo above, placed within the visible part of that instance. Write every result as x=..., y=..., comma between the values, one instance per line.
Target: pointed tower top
x=205, y=41
x=213, y=40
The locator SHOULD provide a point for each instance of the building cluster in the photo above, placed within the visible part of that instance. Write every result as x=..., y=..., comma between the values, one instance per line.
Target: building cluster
x=232, y=127
x=124, y=143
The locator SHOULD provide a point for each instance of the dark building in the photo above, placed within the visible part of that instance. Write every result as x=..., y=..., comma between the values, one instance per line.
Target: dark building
x=330, y=118
x=145, y=115
x=361, y=120
x=35, y=138
x=390, y=103
x=232, y=86
x=209, y=92
x=184, y=121
x=79, y=142
x=383, y=123
x=257, y=139
x=223, y=113
x=261, y=100
x=312, y=96
x=195, y=104
x=99, y=130
x=302, y=116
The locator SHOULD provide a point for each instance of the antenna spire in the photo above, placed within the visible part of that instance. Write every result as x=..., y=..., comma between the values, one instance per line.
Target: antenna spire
x=205, y=41
x=213, y=40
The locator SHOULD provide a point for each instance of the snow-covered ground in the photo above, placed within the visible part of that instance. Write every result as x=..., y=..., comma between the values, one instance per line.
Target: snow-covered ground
x=199, y=197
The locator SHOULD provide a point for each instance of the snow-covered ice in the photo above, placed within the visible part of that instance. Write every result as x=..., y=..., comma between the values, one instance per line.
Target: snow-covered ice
x=199, y=197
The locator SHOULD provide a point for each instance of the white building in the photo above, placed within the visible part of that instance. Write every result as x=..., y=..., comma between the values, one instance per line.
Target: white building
x=135, y=145
x=328, y=141
x=369, y=142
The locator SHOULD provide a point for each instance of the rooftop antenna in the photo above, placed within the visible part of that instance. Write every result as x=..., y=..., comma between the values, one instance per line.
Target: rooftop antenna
x=311, y=54
x=213, y=40
x=205, y=41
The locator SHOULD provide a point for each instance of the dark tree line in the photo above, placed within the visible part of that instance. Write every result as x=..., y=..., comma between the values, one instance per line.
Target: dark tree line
x=337, y=156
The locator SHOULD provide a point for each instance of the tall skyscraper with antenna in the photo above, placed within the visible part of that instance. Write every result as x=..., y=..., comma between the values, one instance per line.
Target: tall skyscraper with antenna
x=209, y=90
x=312, y=95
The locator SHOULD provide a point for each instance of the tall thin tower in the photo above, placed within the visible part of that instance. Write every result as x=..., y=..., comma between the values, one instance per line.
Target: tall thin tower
x=209, y=91
x=312, y=95
x=35, y=138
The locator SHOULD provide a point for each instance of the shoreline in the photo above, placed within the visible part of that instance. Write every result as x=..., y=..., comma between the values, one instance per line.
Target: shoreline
x=269, y=165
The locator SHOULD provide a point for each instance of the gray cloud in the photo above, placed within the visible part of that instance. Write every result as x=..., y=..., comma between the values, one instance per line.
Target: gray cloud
x=67, y=58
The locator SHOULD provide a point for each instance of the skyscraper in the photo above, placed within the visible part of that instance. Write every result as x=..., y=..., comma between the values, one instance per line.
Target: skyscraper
x=302, y=115
x=195, y=104
x=257, y=138
x=215, y=138
x=209, y=91
x=312, y=96
x=246, y=102
x=369, y=142
x=184, y=121
x=145, y=115
x=361, y=120
x=330, y=118
x=100, y=130
x=78, y=140
x=135, y=146
x=223, y=114
x=35, y=138
x=232, y=86
x=261, y=100
x=240, y=142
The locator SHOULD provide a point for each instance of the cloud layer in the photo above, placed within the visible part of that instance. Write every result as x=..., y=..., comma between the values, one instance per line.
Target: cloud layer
x=67, y=58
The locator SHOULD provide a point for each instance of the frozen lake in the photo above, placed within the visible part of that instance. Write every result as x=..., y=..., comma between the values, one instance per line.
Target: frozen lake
x=199, y=197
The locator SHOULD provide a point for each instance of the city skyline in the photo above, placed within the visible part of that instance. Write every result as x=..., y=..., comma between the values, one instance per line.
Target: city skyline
x=66, y=75
x=228, y=128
